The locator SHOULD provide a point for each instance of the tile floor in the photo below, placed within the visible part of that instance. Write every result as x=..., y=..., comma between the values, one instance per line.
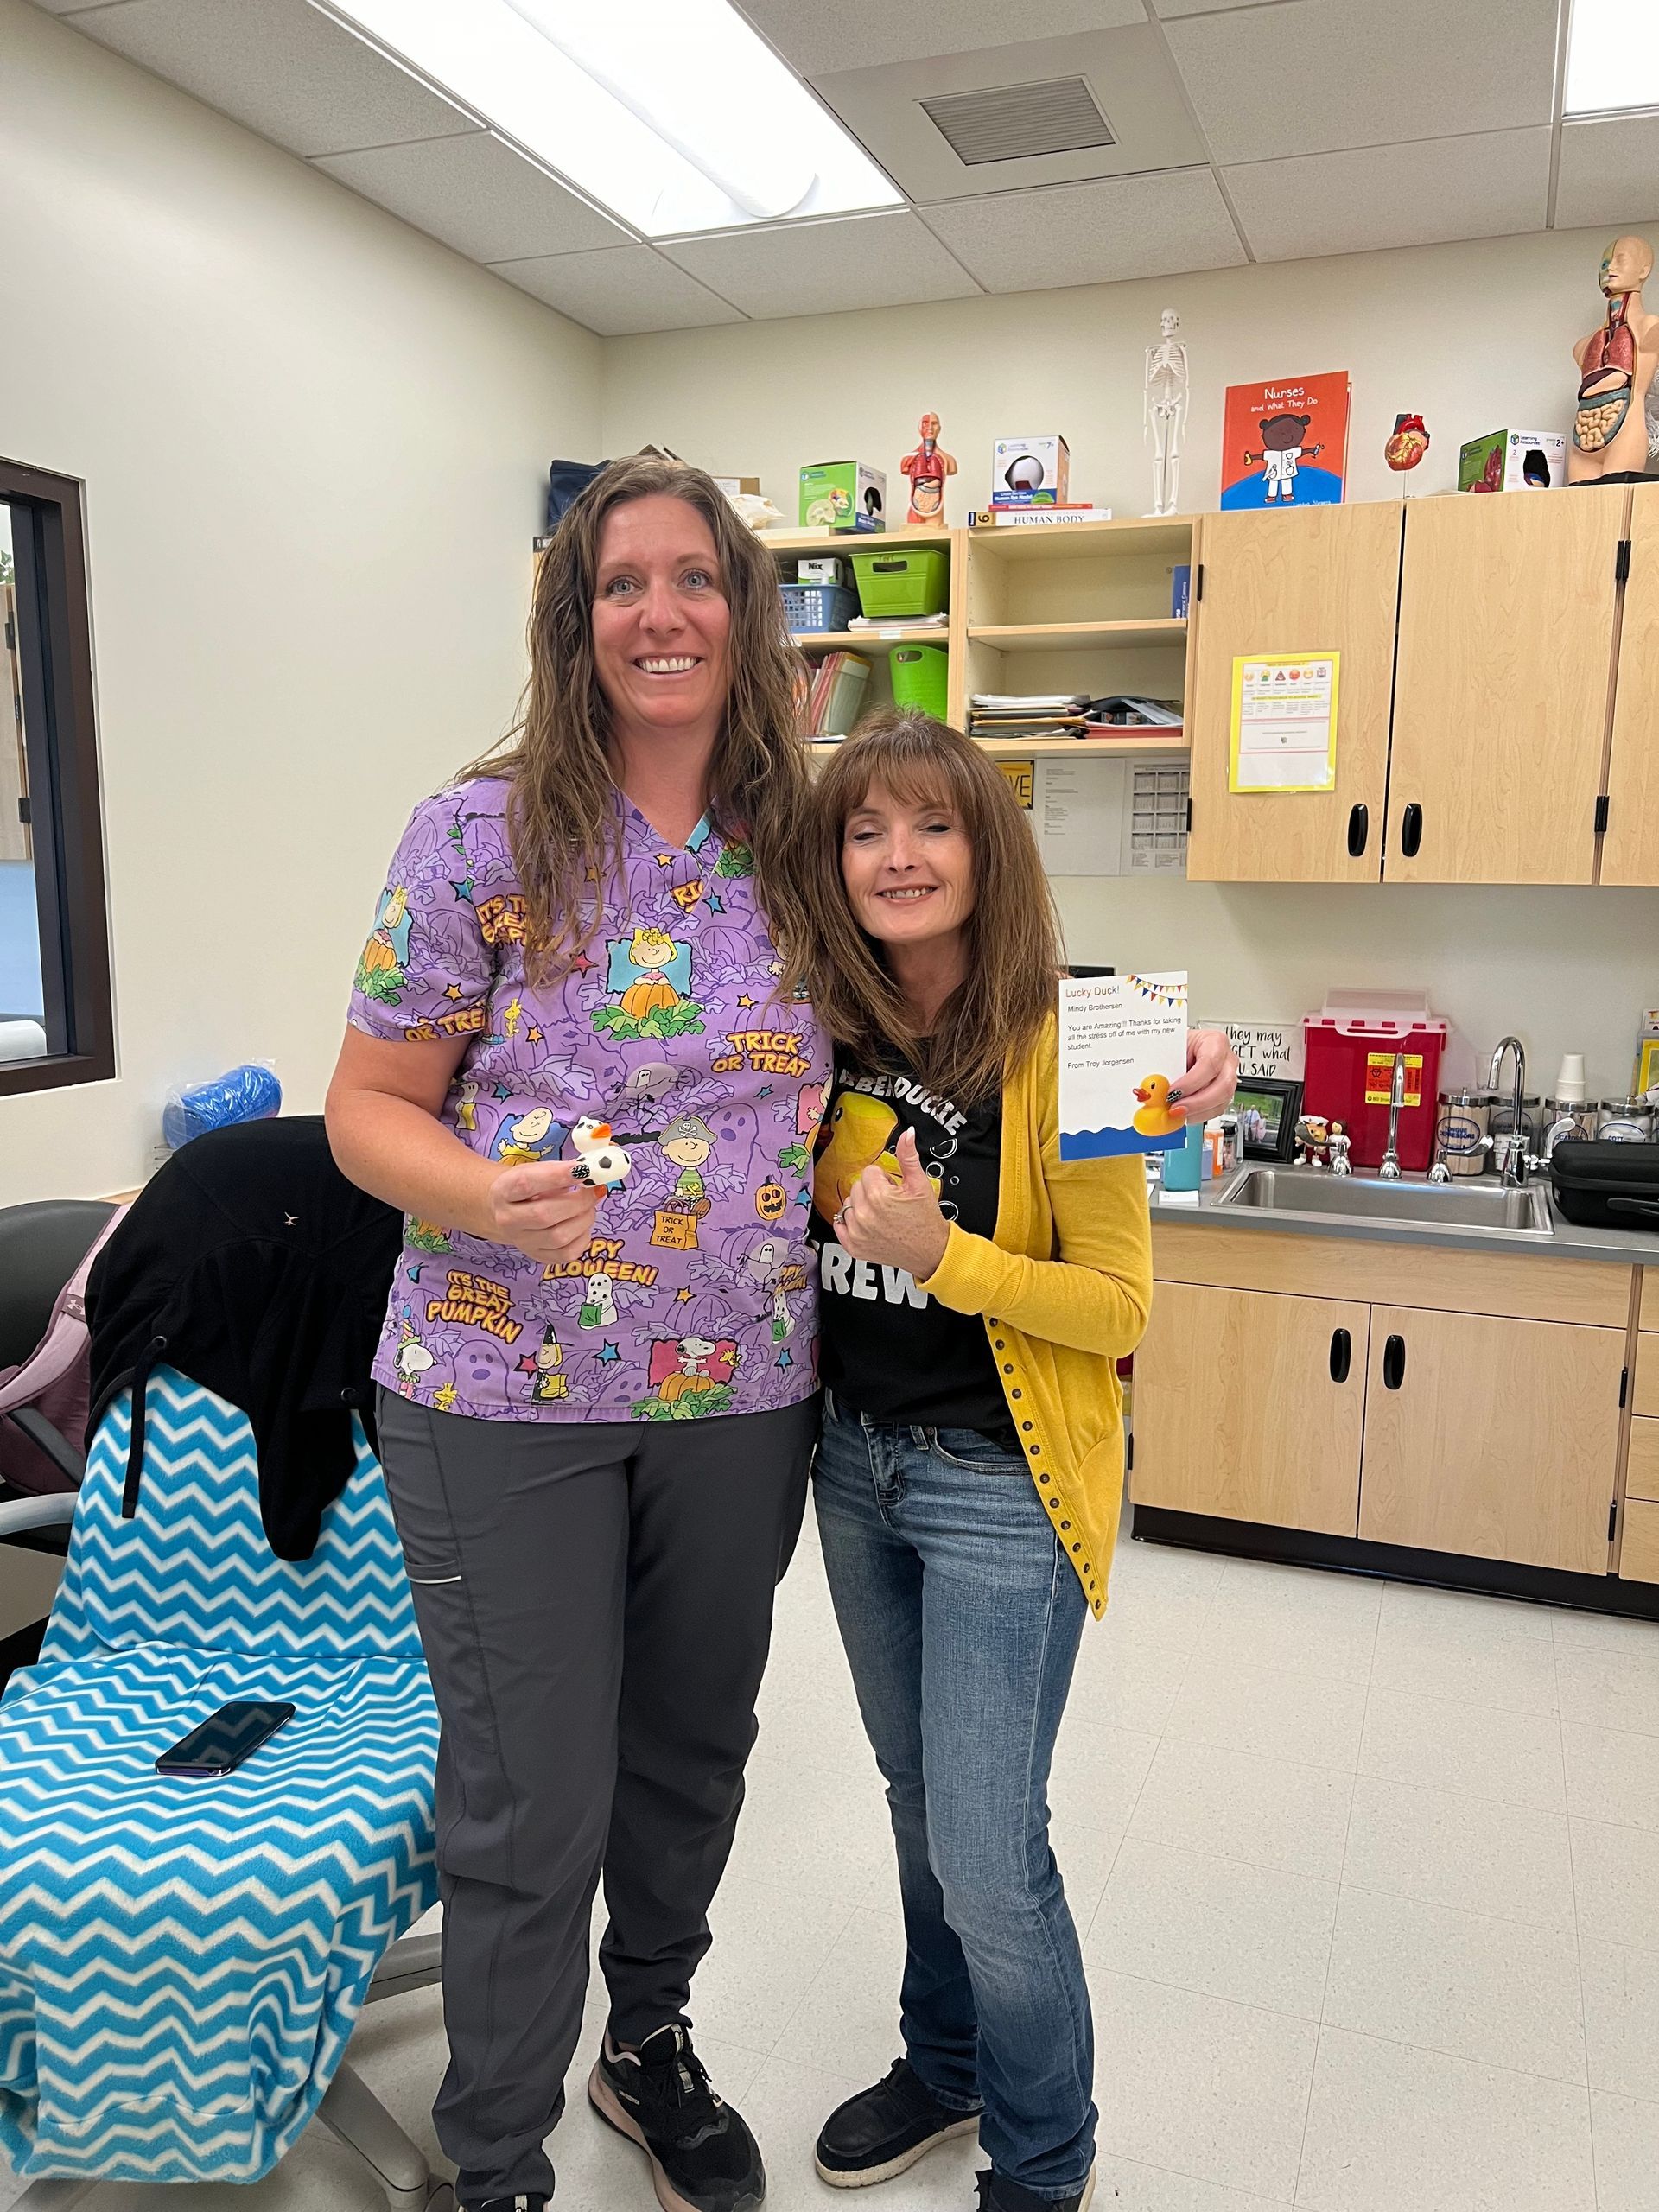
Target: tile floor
x=1368, y=1879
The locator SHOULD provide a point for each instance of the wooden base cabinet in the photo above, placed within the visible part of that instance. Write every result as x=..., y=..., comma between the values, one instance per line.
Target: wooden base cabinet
x=1250, y=1406
x=1495, y=1439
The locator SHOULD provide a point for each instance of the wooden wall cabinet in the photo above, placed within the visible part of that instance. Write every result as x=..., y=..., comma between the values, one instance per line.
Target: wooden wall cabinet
x=1250, y=1406
x=1629, y=851
x=1503, y=686
x=1320, y=579
x=1482, y=682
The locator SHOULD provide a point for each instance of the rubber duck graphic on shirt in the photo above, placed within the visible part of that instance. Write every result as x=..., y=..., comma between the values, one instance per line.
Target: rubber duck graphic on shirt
x=858, y=1134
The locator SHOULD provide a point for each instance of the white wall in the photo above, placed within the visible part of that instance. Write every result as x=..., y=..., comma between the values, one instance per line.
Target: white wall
x=1473, y=337
x=312, y=442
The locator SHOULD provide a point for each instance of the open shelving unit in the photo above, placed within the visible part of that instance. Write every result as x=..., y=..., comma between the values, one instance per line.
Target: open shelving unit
x=1077, y=606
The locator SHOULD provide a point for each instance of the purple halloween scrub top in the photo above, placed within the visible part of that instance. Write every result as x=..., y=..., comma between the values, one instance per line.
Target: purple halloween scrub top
x=698, y=1293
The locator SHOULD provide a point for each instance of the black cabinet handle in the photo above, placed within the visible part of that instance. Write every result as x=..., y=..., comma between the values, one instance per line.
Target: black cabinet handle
x=1359, y=829
x=1394, y=1362
x=1411, y=830
x=1342, y=1355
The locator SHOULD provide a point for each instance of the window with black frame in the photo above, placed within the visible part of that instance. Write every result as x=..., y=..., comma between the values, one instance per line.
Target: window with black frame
x=56, y=1024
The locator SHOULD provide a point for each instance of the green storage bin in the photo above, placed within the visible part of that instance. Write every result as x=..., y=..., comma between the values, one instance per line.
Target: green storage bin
x=920, y=678
x=892, y=584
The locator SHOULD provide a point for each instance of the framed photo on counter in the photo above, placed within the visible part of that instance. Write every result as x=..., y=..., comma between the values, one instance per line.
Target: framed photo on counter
x=1267, y=1107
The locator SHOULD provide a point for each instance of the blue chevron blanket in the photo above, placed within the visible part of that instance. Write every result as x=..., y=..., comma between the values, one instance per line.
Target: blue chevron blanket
x=182, y=1962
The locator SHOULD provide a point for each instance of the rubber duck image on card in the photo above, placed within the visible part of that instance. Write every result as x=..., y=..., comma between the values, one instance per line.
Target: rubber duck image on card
x=1122, y=1051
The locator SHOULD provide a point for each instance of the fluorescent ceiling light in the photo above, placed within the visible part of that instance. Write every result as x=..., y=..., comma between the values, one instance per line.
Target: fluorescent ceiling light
x=1612, y=56
x=673, y=113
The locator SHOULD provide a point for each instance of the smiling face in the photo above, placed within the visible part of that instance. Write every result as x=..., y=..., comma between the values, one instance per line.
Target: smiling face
x=908, y=869
x=661, y=625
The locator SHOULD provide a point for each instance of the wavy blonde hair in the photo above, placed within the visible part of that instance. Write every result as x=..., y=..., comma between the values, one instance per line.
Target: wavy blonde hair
x=994, y=1016
x=561, y=812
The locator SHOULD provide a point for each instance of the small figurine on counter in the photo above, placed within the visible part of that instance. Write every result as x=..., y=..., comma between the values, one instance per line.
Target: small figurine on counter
x=1164, y=413
x=1616, y=369
x=1406, y=444
x=927, y=468
x=1339, y=1145
x=1313, y=1141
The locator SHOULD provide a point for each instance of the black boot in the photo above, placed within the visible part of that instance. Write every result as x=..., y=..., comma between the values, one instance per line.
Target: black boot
x=883, y=2130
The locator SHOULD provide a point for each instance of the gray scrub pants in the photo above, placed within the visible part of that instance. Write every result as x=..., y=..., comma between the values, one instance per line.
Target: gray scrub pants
x=594, y=1600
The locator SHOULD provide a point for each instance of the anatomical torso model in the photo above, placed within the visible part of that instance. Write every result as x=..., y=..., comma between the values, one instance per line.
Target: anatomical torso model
x=1616, y=367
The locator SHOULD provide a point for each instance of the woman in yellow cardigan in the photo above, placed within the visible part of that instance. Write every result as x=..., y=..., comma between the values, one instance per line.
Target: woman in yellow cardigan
x=977, y=1294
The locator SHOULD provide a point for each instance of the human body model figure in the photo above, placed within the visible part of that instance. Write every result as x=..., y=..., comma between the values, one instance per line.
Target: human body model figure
x=1616, y=367
x=927, y=468
x=1165, y=416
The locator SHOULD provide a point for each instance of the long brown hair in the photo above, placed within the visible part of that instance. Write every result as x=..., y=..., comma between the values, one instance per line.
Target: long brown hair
x=562, y=815
x=1013, y=938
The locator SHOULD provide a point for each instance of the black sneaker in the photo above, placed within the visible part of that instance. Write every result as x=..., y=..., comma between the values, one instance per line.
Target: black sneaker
x=999, y=2194
x=702, y=2156
x=883, y=2130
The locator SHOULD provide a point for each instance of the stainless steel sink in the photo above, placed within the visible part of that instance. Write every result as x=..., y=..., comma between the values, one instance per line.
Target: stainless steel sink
x=1310, y=1193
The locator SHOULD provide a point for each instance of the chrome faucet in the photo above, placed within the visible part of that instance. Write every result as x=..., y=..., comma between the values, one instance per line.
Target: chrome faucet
x=1389, y=1171
x=1516, y=1159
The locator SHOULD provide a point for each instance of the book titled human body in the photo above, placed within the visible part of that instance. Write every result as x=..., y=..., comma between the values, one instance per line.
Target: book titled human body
x=1285, y=444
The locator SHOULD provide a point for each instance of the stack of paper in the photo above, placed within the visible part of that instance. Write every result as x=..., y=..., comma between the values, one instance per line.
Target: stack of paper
x=1031, y=714
x=938, y=621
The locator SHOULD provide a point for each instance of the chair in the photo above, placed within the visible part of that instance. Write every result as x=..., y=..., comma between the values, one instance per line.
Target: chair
x=181, y=1963
x=41, y=1245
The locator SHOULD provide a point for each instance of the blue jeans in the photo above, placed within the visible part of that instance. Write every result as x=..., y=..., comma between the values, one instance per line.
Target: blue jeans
x=961, y=1618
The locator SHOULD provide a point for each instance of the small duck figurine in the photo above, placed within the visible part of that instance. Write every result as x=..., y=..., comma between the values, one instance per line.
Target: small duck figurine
x=600, y=1158
x=1155, y=1118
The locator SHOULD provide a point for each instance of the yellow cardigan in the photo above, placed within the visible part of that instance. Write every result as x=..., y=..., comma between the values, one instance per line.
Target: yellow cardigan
x=1065, y=1285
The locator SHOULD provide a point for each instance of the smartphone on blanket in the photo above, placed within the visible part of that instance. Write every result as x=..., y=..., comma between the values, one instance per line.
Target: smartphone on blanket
x=224, y=1739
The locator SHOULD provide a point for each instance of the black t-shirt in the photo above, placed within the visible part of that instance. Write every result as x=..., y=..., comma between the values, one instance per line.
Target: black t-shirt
x=887, y=1349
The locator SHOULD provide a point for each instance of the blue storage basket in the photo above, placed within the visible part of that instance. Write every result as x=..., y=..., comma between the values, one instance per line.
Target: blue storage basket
x=815, y=608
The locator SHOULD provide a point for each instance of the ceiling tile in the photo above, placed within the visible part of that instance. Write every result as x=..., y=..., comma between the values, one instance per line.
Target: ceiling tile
x=1314, y=75
x=1477, y=188
x=821, y=35
x=1609, y=172
x=1206, y=7
x=1091, y=233
x=478, y=194
x=862, y=261
x=279, y=65
x=618, y=291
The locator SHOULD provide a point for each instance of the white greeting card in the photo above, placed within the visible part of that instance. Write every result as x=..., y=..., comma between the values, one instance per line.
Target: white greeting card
x=1122, y=1051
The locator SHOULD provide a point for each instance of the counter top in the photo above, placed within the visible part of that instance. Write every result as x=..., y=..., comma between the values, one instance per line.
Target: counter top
x=1622, y=1247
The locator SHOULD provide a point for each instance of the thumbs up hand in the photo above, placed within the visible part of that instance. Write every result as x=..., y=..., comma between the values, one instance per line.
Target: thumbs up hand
x=896, y=1224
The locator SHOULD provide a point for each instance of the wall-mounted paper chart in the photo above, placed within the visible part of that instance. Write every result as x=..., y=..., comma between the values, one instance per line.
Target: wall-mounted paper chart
x=1284, y=722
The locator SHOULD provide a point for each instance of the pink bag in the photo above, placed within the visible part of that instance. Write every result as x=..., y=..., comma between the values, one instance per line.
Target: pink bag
x=55, y=1382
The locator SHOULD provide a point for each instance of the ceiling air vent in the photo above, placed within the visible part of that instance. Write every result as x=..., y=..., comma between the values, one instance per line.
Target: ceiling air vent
x=1011, y=122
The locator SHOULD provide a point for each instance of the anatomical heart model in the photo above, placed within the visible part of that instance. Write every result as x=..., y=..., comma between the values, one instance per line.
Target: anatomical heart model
x=1406, y=444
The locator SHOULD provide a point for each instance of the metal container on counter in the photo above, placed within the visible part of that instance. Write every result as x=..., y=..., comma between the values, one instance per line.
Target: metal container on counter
x=1568, y=1121
x=1460, y=1131
x=1625, y=1120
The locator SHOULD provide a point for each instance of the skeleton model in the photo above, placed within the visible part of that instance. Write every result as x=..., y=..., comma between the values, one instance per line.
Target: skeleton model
x=1165, y=417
